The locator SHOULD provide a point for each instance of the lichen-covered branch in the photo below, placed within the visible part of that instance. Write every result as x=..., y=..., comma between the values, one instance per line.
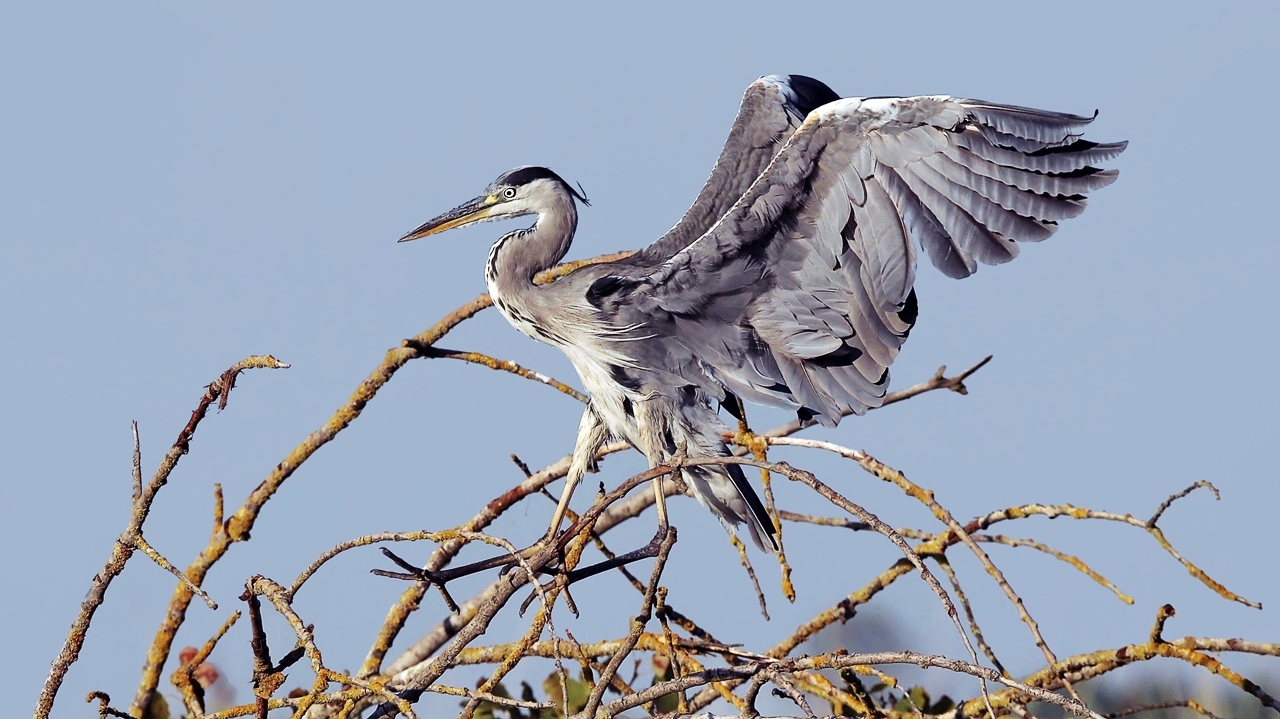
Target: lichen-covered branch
x=131, y=538
x=691, y=669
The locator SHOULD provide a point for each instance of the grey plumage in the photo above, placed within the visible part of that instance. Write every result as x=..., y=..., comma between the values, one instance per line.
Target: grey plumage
x=789, y=280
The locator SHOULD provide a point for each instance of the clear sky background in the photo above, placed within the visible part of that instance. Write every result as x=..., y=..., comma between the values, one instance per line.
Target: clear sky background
x=182, y=186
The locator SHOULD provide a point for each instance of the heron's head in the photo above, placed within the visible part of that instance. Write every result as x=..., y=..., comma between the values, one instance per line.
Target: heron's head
x=522, y=191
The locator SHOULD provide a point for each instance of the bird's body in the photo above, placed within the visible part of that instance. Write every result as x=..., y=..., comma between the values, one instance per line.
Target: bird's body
x=632, y=396
x=789, y=282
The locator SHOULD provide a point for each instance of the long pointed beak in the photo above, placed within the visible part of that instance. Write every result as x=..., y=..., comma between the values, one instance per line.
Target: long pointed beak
x=477, y=210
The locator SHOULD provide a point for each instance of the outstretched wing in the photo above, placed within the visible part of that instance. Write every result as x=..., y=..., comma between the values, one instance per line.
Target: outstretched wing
x=772, y=108
x=800, y=295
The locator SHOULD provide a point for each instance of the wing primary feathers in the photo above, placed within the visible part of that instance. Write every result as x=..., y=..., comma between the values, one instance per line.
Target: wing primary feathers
x=1069, y=184
x=1062, y=160
x=1025, y=122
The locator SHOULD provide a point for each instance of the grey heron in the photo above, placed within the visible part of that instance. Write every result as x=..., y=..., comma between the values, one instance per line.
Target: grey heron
x=789, y=282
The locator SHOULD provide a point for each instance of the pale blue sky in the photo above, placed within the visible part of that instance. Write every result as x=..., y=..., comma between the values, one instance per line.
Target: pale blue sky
x=181, y=186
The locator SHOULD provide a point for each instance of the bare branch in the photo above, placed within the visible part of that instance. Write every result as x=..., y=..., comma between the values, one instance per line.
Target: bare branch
x=126, y=543
x=938, y=381
x=141, y=543
x=1187, y=703
x=361, y=542
x=1179, y=495
x=1189, y=649
x=500, y=365
x=749, y=670
x=1162, y=616
x=1067, y=510
x=945, y=564
x=874, y=522
x=1062, y=556
x=183, y=677
x=137, y=463
x=239, y=525
x=104, y=706
x=637, y=624
x=893, y=476
x=734, y=673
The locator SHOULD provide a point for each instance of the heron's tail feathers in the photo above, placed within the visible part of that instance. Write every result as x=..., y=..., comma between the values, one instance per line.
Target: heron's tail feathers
x=726, y=492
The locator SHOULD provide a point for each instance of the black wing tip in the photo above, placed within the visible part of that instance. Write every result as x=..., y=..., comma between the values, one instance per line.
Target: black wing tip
x=810, y=92
x=803, y=94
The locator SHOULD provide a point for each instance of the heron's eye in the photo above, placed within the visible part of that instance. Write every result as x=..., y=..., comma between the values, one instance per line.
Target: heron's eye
x=509, y=193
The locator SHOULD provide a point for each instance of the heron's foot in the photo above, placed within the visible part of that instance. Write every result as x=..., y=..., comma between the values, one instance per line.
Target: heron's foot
x=680, y=455
x=559, y=585
x=418, y=574
x=441, y=578
x=563, y=580
x=673, y=463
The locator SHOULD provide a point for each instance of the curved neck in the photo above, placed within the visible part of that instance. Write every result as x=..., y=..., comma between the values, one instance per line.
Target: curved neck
x=517, y=256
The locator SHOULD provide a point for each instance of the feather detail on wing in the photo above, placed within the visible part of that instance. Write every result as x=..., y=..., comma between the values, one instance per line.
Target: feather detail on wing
x=772, y=108
x=800, y=293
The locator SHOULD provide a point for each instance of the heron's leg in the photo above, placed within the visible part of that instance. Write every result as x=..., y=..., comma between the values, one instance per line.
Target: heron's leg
x=660, y=496
x=660, y=502
x=592, y=434
x=654, y=429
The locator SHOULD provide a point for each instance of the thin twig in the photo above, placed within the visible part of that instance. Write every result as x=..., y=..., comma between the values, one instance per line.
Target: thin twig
x=361, y=542
x=1162, y=615
x=104, y=706
x=945, y=564
x=503, y=366
x=1185, y=703
x=140, y=543
x=262, y=666
x=491, y=698
x=1179, y=495
x=1062, y=556
x=760, y=450
x=137, y=462
x=751, y=573
x=938, y=381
